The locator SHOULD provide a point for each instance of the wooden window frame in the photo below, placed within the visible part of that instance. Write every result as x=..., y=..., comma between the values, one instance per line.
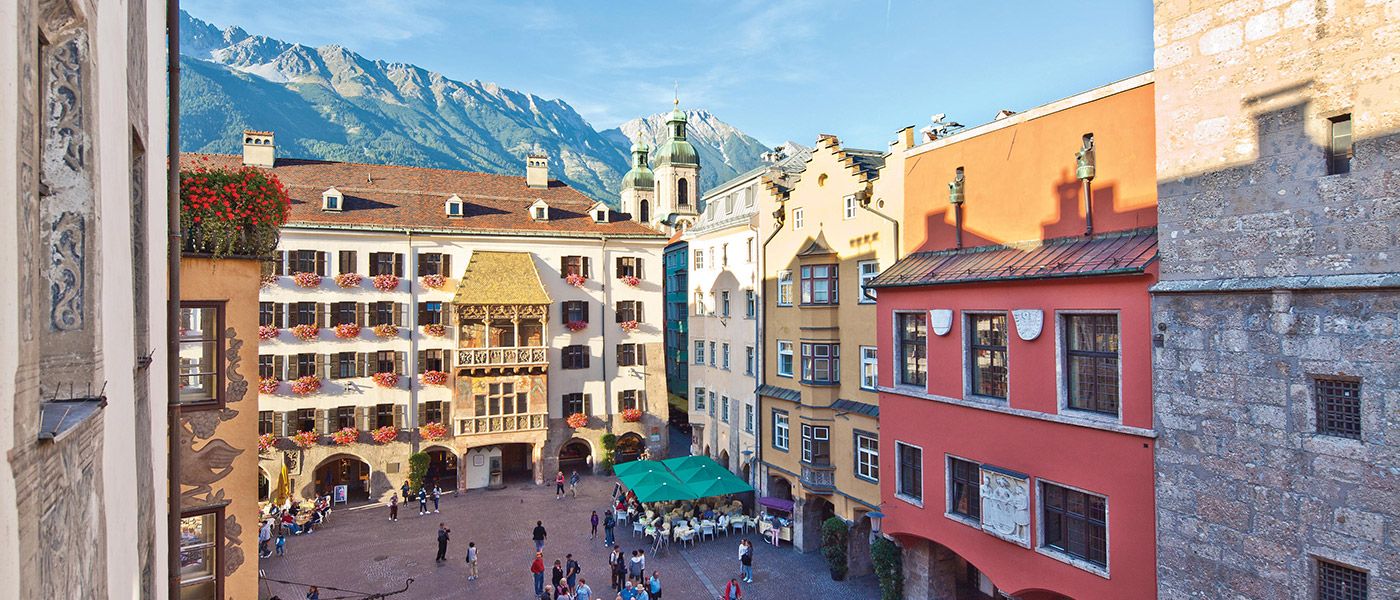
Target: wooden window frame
x=965, y=485
x=217, y=402
x=974, y=348
x=913, y=346
x=1057, y=523
x=901, y=478
x=217, y=544
x=809, y=280
x=1097, y=361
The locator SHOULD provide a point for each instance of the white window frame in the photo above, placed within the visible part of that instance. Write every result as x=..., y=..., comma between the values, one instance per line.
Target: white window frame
x=866, y=278
x=750, y=304
x=869, y=367
x=792, y=359
x=872, y=456
x=713, y=348
x=748, y=417
x=700, y=352
x=850, y=209
x=699, y=261
x=724, y=303
x=1039, y=541
x=724, y=360
x=785, y=288
x=797, y=218
x=749, y=361
x=699, y=398
x=782, y=430
x=713, y=404
x=898, y=481
x=724, y=409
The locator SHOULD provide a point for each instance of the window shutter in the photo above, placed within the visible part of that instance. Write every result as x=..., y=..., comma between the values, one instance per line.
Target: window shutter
x=323, y=366
x=585, y=353
x=323, y=421
x=400, y=362
x=587, y=404
x=400, y=416
x=637, y=262
x=618, y=270
x=447, y=265
x=279, y=423
x=563, y=267
x=362, y=414
x=642, y=400
x=321, y=263
x=398, y=264
x=280, y=267
x=617, y=311
x=279, y=367
x=641, y=355
x=421, y=265
x=362, y=368
x=585, y=311
x=399, y=316
x=422, y=361
x=422, y=413
x=587, y=267
x=637, y=311
x=323, y=314
x=447, y=414
x=360, y=314
x=422, y=313
x=279, y=315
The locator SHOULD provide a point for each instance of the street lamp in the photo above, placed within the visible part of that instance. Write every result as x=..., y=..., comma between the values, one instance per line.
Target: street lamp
x=875, y=518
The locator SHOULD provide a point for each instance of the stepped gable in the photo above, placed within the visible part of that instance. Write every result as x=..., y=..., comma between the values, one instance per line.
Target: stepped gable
x=399, y=197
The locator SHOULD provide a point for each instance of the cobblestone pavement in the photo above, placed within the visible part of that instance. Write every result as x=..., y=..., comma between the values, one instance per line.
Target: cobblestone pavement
x=361, y=550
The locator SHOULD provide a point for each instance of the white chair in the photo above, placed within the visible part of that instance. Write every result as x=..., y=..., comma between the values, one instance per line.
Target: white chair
x=687, y=536
x=723, y=525
x=739, y=523
x=637, y=528
x=707, y=529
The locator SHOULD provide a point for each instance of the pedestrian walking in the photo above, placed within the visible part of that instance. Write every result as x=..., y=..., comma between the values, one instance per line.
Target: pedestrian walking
x=619, y=567
x=405, y=489
x=394, y=507
x=547, y=593
x=559, y=486
x=636, y=565
x=732, y=591
x=573, y=483
x=443, y=535
x=422, y=501
x=746, y=561
x=609, y=522
x=437, y=495
x=593, y=526
x=281, y=544
x=556, y=575
x=537, y=570
x=583, y=592
x=313, y=593
x=264, y=536
x=538, y=535
x=471, y=561
x=654, y=585
x=571, y=570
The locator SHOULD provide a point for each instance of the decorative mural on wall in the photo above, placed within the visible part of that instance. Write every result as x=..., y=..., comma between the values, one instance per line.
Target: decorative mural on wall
x=202, y=468
x=1006, y=505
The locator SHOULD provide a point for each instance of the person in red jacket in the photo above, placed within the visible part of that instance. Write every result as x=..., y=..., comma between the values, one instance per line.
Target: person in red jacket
x=732, y=591
x=537, y=569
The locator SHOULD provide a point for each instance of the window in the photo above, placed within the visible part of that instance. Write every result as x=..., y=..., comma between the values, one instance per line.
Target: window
x=344, y=416
x=304, y=313
x=501, y=398
x=724, y=362
x=712, y=255
x=699, y=302
x=304, y=419
x=430, y=313
x=265, y=422
x=629, y=266
x=682, y=193
x=724, y=303
x=434, y=263
x=384, y=362
x=267, y=367
x=576, y=357
x=345, y=313
x=850, y=212
x=748, y=255
x=724, y=408
x=699, y=352
x=713, y=403
x=700, y=398
x=629, y=310
x=383, y=415
x=867, y=456
x=201, y=573
x=432, y=411
x=270, y=313
x=784, y=358
x=385, y=263
x=575, y=265
x=724, y=255
x=1075, y=523
x=750, y=304
x=821, y=363
x=432, y=360
x=307, y=261
x=383, y=313
x=699, y=259
x=797, y=218
x=629, y=355
x=1337, y=582
x=964, y=488
x=201, y=353
x=1339, y=149
x=780, y=429
x=344, y=366
x=1338, y=407
x=816, y=444
x=1091, y=351
x=713, y=355
x=576, y=311
x=868, y=365
x=819, y=284
x=576, y=404
x=748, y=360
x=729, y=204
x=909, y=478
x=630, y=399
x=784, y=288
x=868, y=269
x=748, y=418
x=987, y=353
x=306, y=365
x=346, y=262
x=913, y=348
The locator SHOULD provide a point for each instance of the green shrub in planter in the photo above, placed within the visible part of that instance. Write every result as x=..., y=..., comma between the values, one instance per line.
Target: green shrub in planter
x=835, y=534
x=889, y=568
x=417, y=470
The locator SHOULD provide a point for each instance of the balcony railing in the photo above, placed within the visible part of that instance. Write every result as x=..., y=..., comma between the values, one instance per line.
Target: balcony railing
x=819, y=478
x=502, y=357
x=502, y=423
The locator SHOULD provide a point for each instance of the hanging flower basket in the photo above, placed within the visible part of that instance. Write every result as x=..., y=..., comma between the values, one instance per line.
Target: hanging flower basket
x=632, y=280
x=385, y=434
x=629, y=326
x=434, y=281
x=577, y=420
x=265, y=443
x=346, y=331
x=268, y=332
x=307, y=384
x=386, y=282
x=435, y=377
x=305, y=439
x=268, y=385
x=349, y=280
x=307, y=280
x=306, y=332
x=348, y=435
x=386, y=330
x=576, y=326
x=231, y=211
x=576, y=280
x=435, y=329
x=433, y=432
x=269, y=280
x=632, y=415
x=386, y=380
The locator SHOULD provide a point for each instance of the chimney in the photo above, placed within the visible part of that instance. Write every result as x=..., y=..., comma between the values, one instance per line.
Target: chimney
x=258, y=149
x=906, y=138
x=537, y=170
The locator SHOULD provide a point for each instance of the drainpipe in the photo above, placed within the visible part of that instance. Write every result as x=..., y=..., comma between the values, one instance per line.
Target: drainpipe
x=603, y=330
x=412, y=366
x=895, y=222
x=1088, y=206
x=172, y=301
x=761, y=331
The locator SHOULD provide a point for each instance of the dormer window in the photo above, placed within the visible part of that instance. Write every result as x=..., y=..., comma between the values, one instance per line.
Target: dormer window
x=599, y=212
x=539, y=211
x=332, y=200
x=454, y=206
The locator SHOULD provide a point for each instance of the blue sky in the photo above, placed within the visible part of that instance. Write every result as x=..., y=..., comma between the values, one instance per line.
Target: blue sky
x=777, y=69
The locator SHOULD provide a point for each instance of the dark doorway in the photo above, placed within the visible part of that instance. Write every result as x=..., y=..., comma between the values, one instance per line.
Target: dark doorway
x=442, y=469
x=515, y=462
x=629, y=448
x=348, y=471
x=724, y=458
x=644, y=211
x=779, y=488
x=574, y=457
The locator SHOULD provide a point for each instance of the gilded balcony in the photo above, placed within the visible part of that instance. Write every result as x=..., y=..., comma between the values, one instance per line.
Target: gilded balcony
x=516, y=356
x=819, y=479
x=502, y=423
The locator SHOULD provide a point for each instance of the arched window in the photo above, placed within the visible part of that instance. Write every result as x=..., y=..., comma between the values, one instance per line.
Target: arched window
x=644, y=211
x=682, y=193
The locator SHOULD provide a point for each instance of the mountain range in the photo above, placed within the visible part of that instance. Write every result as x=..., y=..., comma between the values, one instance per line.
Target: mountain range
x=331, y=103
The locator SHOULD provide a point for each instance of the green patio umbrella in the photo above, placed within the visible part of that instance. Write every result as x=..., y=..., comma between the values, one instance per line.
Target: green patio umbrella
x=638, y=466
x=660, y=486
x=681, y=464
x=704, y=487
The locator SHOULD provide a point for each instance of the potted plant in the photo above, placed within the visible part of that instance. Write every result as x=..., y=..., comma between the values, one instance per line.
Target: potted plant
x=386, y=379
x=347, y=435
x=632, y=415
x=434, y=281
x=268, y=332
x=889, y=568
x=433, y=431
x=630, y=326
x=385, y=434
x=435, y=378
x=306, y=332
x=347, y=331
x=269, y=385
x=576, y=326
x=575, y=280
x=435, y=329
x=265, y=443
x=231, y=211
x=632, y=280
x=386, y=330
x=306, y=280
x=577, y=420
x=835, y=534
x=269, y=280
x=386, y=282
x=305, y=439
x=348, y=280
x=306, y=384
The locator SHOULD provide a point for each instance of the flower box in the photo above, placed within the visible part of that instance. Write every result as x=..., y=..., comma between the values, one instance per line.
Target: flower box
x=576, y=326
x=268, y=332
x=348, y=435
x=231, y=211
x=386, y=282
x=434, y=281
x=629, y=326
x=269, y=280
x=306, y=332
x=632, y=415
x=575, y=280
x=385, y=434
x=433, y=432
x=435, y=329
x=307, y=384
x=435, y=377
x=349, y=280
x=307, y=280
x=386, y=380
x=266, y=442
x=632, y=280
x=346, y=331
x=268, y=385
x=577, y=420
x=386, y=330
x=305, y=439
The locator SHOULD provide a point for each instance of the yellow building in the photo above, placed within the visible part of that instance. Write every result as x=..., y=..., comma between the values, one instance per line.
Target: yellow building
x=824, y=234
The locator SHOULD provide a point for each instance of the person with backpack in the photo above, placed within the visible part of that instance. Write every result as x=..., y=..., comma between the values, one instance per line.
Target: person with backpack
x=571, y=570
x=619, y=567
x=471, y=561
x=422, y=501
x=609, y=523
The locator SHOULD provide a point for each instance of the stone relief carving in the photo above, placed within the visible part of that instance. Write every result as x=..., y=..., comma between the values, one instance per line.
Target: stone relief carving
x=940, y=320
x=1006, y=506
x=1029, y=322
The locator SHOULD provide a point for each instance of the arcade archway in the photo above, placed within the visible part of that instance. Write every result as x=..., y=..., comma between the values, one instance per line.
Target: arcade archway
x=629, y=448
x=343, y=469
x=442, y=468
x=575, y=455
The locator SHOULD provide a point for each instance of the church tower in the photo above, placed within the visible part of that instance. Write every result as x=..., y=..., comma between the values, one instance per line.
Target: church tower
x=677, y=176
x=639, y=187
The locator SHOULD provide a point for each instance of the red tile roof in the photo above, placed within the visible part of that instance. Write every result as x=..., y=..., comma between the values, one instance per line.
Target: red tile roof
x=1114, y=253
x=398, y=197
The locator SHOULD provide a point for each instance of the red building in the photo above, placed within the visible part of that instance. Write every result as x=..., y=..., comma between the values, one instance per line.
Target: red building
x=1015, y=346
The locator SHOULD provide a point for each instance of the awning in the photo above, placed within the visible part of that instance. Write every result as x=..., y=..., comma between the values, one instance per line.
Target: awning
x=776, y=503
x=1116, y=253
